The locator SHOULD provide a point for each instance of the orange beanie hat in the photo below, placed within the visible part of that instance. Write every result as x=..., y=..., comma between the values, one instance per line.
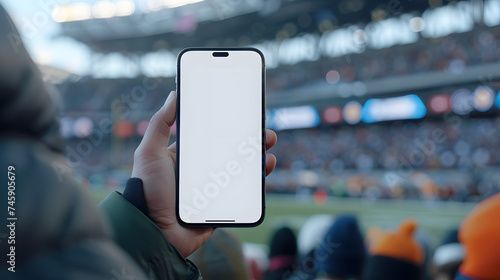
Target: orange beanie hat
x=398, y=244
x=480, y=235
x=395, y=255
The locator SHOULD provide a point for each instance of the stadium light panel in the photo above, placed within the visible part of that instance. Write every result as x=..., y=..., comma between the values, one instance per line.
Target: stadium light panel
x=83, y=126
x=295, y=117
x=103, y=9
x=79, y=11
x=461, y=101
x=352, y=112
x=332, y=114
x=491, y=13
x=497, y=100
x=155, y=5
x=178, y=3
x=332, y=77
x=395, y=108
x=439, y=104
x=60, y=13
x=417, y=24
x=124, y=8
x=66, y=127
x=483, y=98
x=123, y=129
x=72, y=12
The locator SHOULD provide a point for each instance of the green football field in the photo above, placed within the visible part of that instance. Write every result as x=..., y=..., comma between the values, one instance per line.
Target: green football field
x=434, y=217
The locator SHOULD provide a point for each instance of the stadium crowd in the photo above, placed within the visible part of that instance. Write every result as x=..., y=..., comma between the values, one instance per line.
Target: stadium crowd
x=335, y=248
x=344, y=160
x=393, y=160
x=453, y=53
x=465, y=144
x=400, y=160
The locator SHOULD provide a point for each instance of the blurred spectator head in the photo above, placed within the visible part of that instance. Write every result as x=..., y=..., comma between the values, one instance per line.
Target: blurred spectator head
x=283, y=253
x=256, y=257
x=221, y=257
x=312, y=232
x=451, y=236
x=395, y=255
x=447, y=257
x=427, y=241
x=342, y=253
x=479, y=234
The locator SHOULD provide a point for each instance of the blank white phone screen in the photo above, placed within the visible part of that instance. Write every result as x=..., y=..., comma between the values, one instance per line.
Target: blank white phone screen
x=220, y=137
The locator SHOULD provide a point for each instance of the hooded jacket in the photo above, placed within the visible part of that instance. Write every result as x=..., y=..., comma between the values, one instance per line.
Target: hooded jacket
x=56, y=231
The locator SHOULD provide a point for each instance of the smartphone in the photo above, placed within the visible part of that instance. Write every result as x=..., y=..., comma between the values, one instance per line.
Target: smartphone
x=220, y=164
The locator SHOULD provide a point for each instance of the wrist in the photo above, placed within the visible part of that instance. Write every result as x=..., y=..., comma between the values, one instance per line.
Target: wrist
x=134, y=193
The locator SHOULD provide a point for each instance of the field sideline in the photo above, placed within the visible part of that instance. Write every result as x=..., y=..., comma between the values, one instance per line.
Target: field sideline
x=434, y=217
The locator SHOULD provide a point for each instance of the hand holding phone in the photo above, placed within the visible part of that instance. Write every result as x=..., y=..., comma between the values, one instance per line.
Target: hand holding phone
x=154, y=163
x=221, y=175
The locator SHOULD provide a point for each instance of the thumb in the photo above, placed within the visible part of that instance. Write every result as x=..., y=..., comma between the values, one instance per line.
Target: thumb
x=158, y=132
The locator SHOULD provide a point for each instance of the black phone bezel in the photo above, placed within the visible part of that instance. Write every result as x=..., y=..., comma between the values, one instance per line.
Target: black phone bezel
x=178, y=121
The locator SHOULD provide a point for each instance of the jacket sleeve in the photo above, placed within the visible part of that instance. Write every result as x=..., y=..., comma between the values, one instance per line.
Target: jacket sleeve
x=145, y=242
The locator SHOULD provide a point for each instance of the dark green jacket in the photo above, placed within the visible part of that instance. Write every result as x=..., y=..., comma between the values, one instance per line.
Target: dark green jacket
x=59, y=232
x=145, y=242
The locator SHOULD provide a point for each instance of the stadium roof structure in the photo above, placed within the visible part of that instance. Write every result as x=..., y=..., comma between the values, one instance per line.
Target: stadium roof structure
x=225, y=22
x=319, y=92
x=55, y=75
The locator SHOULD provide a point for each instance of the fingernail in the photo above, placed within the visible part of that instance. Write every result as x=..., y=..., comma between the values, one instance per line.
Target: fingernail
x=170, y=108
x=170, y=97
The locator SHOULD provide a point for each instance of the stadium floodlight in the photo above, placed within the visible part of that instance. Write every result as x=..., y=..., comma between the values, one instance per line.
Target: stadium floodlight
x=483, y=98
x=72, y=12
x=352, y=112
x=332, y=77
x=491, y=13
x=60, y=14
x=103, y=9
x=332, y=114
x=461, y=101
x=417, y=24
x=124, y=8
x=178, y=3
x=439, y=104
x=154, y=5
x=83, y=126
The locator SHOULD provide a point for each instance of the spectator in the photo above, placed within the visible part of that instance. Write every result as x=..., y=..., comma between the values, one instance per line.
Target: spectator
x=221, y=257
x=312, y=232
x=448, y=257
x=480, y=236
x=394, y=255
x=426, y=241
x=282, y=255
x=310, y=236
x=341, y=255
